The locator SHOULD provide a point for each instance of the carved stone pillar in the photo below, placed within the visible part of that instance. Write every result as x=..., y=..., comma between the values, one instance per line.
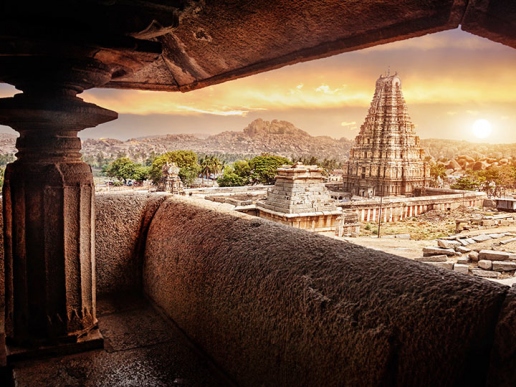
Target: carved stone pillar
x=48, y=203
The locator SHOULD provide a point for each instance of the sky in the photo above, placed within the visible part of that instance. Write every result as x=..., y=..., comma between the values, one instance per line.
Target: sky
x=450, y=81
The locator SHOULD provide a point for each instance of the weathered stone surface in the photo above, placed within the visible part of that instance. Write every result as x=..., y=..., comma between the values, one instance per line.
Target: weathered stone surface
x=502, y=367
x=463, y=242
x=510, y=240
x=427, y=251
x=481, y=238
x=493, y=255
x=447, y=244
x=504, y=266
x=462, y=260
x=462, y=249
x=432, y=258
x=485, y=273
x=485, y=264
x=444, y=265
x=473, y=256
x=254, y=306
x=121, y=225
x=460, y=268
x=470, y=240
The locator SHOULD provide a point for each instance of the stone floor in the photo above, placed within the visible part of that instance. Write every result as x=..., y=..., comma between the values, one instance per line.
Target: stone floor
x=141, y=349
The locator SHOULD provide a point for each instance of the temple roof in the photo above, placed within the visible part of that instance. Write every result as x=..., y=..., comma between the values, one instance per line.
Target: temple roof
x=180, y=45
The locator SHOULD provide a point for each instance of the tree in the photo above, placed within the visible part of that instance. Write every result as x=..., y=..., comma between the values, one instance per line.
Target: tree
x=467, y=183
x=125, y=169
x=210, y=165
x=186, y=161
x=122, y=169
x=230, y=178
x=437, y=171
x=264, y=168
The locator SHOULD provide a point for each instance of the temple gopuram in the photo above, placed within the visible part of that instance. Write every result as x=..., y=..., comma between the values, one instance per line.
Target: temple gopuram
x=386, y=158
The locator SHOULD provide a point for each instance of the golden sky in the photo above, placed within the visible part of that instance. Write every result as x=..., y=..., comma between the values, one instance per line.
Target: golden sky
x=449, y=80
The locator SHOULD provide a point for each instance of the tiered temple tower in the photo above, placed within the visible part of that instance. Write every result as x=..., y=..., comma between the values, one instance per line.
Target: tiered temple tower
x=386, y=159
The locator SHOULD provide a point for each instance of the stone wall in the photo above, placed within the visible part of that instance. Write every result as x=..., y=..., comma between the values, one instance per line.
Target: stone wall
x=121, y=224
x=396, y=209
x=278, y=306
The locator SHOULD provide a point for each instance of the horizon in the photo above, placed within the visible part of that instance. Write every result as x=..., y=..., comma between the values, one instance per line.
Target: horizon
x=451, y=81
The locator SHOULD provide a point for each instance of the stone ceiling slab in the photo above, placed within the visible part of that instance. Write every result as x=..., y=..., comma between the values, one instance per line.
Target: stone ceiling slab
x=492, y=19
x=218, y=41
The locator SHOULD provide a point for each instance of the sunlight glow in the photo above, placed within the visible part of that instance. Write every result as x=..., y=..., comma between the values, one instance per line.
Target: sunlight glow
x=482, y=128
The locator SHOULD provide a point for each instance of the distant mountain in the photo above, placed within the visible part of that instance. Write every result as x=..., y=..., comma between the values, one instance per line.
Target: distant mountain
x=277, y=137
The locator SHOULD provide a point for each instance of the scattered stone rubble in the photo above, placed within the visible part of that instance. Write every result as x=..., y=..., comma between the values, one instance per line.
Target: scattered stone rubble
x=469, y=255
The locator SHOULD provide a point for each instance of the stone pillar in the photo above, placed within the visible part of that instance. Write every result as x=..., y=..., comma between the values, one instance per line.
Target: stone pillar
x=48, y=199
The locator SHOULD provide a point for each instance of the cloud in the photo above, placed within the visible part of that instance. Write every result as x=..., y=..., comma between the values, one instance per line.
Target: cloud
x=215, y=112
x=472, y=112
x=344, y=123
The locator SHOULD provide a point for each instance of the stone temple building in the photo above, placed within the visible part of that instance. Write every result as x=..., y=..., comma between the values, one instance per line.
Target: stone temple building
x=387, y=158
x=300, y=199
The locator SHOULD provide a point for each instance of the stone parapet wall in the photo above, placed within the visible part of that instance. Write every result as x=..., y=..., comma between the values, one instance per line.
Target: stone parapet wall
x=397, y=209
x=121, y=225
x=278, y=306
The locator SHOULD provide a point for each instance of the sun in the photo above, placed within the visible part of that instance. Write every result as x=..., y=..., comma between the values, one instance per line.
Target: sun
x=482, y=128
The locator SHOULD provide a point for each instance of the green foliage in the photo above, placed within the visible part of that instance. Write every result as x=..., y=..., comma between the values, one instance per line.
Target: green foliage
x=124, y=169
x=6, y=159
x=230, y=178
x=186, y=161
x=259, y=170
x=327, y=165
x=264, y=167
x=467, y=183
x=437, y=170
x=210, y=165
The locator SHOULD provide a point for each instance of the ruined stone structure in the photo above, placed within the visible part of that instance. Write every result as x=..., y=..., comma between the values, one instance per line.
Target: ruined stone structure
x=300, y=199
x=170, y=181
x=397, y=209
x=386, y=159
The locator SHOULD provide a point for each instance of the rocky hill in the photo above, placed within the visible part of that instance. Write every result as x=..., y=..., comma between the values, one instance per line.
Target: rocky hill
x=281, y=138
x=277, y=137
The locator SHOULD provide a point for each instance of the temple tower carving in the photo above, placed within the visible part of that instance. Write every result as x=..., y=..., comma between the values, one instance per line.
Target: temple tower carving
x=386, y=158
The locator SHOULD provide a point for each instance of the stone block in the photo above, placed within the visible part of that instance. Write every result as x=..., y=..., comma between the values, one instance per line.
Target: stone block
x=470, y=240
x=493, y=255
x=460, y=268
x=444, y=265
x=508, y=241
x=481, y=238
x=487, y=222
x=447, y=244
x=473, y=256
x=463, y=242
x=504, y=266
x=433, y=258
x=512, y=256
x=428, y=251
x=463, y=260
x=485, y=264
x=485, y=273
x=462, y=249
